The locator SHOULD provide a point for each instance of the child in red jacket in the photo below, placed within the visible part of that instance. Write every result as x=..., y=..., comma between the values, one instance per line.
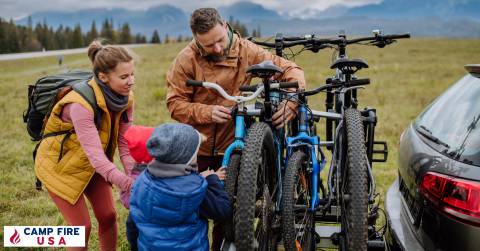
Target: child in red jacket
x=137, y=137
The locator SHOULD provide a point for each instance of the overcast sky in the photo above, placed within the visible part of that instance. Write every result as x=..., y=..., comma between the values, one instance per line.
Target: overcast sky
x=21, y=8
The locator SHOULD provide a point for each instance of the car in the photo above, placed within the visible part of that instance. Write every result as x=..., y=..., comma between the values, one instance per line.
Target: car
x=434, y=204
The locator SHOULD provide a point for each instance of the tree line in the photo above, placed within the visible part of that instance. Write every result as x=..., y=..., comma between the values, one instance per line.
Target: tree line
x=242, y=29
x=19, y=38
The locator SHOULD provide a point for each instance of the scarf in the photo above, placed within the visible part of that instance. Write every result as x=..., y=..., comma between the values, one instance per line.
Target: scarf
x=115, y=102
x=164, y=170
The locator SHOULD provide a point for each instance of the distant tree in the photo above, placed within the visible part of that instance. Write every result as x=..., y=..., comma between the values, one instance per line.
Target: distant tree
x=256, y=32
x=239, y=27
x=179, y=39
x=68, y=37
x=115, y=34
x=13, y=38
x=27, y=38
x=77, y=38
x=125, y=37
x=60, y=38
x=167, y=39
x=3, y=36
x=138, y=38
x=107, y=31
x=9, y=37
x=155, y=38
x=52, y=38
x=92, y=34
x=29, y=23
x=45, y=36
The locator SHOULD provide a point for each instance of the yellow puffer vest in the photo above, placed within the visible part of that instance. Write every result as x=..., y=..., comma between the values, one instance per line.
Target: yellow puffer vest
x=69, y=176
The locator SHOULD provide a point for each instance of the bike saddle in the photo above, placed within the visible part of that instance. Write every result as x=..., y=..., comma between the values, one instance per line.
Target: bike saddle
x=349, y=65
x=265, y=69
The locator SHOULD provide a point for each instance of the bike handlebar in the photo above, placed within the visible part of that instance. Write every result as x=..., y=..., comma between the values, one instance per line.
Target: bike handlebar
x=378, y=38
x=191, y=82
x=357, y=82
x=283, y=85
x=336, y=84
x=223, y=93
x=316, y=44
x=283, y=43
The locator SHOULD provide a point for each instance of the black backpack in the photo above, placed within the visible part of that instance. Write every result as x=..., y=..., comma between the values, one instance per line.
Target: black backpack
x=45, y=93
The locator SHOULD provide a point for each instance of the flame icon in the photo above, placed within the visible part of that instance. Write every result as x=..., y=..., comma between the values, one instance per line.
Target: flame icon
x=15, y=238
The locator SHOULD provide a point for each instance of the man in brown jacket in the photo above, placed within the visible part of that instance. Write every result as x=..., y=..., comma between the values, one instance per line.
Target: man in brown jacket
x=218, y=55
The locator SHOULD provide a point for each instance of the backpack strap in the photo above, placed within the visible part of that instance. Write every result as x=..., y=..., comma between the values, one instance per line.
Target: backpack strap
x=86, y=91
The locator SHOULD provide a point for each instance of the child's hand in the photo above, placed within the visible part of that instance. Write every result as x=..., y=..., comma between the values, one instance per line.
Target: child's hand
x=221, y=173
x=206, y=173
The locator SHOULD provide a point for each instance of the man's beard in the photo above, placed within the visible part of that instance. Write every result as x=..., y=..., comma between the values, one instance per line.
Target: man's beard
x=217, y=57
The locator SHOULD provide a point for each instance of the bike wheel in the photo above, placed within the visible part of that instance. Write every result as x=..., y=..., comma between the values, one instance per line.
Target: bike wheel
x=231, y=189
x=354, y=199
x=297, y=227
x=253, y=213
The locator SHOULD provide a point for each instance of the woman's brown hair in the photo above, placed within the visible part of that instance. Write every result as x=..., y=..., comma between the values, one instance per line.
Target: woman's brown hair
x=106, y=57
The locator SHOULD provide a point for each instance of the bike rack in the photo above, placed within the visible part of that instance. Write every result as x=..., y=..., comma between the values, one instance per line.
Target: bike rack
x=383, y=151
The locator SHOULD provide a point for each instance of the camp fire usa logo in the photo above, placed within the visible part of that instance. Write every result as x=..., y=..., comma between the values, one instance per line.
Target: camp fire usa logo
x=44, y=236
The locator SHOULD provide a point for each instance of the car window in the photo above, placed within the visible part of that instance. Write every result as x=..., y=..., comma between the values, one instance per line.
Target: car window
x=453, y=120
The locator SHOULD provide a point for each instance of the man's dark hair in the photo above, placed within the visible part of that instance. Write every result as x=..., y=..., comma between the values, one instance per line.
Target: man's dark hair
x=204, y=19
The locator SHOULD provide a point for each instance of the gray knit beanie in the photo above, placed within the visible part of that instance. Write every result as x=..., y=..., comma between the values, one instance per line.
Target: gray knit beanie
x=174, y=143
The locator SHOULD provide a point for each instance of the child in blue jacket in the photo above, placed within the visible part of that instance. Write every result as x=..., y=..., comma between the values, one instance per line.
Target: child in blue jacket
x=170, y=202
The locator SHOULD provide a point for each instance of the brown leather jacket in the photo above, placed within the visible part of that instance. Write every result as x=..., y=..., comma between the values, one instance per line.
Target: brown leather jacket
x=192, y=105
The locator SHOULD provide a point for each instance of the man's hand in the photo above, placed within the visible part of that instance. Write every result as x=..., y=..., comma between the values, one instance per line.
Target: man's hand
x=286, y=111
x=220, y=114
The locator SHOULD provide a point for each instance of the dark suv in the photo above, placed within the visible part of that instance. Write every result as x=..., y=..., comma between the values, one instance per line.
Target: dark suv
x=435, y=202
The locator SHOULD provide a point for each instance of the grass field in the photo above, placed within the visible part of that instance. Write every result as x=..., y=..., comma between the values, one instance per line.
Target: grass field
x=405, y=78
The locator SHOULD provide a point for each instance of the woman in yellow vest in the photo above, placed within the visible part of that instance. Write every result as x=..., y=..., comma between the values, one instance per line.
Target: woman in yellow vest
x=81, y=165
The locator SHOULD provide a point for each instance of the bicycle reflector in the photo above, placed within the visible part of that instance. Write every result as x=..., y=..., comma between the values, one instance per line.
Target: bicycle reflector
x=455, y=197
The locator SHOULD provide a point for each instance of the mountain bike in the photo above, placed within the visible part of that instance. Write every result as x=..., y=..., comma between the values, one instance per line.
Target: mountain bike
x=244, y=115
x=231, y=158
x=259, y=184
x=350, y=137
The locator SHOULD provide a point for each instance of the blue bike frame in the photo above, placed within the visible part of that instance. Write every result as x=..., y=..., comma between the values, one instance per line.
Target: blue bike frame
x=303, y=139
x=239, y=142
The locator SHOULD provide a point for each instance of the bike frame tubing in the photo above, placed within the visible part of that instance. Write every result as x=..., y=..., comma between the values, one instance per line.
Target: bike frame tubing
x=239, y=142
x=311, y=142
x=274, y=97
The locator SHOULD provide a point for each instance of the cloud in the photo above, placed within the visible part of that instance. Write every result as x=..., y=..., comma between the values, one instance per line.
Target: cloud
x=17, y=9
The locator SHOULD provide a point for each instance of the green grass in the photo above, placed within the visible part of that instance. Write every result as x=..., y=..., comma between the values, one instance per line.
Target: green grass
x=405, y=78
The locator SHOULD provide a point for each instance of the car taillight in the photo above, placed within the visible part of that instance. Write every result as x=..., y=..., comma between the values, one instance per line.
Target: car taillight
x=456, y=197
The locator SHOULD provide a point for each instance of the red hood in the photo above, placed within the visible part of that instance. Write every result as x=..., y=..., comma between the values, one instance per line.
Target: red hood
x=137, y=137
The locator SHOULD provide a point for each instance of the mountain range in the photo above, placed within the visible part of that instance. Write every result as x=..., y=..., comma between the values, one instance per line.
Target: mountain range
x=439, y=18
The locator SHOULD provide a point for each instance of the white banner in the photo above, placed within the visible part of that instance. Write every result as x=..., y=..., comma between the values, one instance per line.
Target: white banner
x=44, y=236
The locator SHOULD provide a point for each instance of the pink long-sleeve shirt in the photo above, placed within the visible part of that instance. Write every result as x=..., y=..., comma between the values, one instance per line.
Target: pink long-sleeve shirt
x=87, y=135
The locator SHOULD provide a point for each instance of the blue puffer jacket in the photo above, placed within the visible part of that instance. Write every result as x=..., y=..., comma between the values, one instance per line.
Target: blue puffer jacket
x=166, y=212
